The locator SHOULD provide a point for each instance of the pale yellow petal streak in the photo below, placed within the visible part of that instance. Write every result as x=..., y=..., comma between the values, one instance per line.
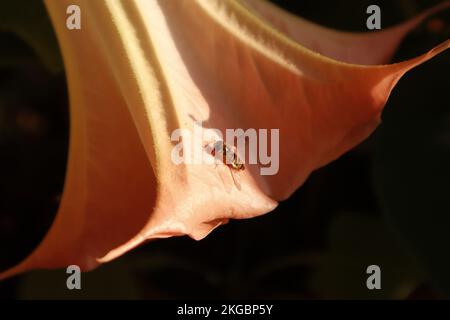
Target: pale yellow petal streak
x=134, y=58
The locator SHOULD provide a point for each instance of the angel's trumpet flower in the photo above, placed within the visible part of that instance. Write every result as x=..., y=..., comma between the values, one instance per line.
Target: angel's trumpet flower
x=140, y=69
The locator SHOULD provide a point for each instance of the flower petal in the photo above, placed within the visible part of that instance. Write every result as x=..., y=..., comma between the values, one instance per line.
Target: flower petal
x=140, y=69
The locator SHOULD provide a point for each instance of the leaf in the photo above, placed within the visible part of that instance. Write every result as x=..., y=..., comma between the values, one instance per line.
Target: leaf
x=356, y=242
x=138, y=70
x=29, y=21
x=412, y=167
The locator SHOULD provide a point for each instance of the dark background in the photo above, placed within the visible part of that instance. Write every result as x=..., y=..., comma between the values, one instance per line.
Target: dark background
x=385, y=202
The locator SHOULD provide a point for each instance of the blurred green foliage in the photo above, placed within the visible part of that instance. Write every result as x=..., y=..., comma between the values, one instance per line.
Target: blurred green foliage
x=29, y=21
x=358, y=240
x=113, y=282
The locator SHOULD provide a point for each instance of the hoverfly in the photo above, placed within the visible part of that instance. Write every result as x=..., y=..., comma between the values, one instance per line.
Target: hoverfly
x=229, y=157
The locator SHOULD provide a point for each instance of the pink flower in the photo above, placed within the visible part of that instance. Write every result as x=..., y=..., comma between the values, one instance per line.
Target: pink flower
x=140, y=69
